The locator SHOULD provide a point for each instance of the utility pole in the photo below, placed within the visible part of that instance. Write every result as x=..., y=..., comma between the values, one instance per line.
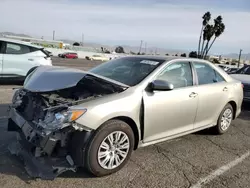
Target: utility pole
x=140, y=47
x=53, y=35
x=239, y=58
x=145, y=48
x=82, y=38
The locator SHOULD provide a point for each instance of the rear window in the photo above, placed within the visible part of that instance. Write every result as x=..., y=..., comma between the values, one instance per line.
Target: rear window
x=15, y=48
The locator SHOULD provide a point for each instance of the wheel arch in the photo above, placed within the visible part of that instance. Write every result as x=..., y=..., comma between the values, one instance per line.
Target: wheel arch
x=133, y=126
x=234, y=105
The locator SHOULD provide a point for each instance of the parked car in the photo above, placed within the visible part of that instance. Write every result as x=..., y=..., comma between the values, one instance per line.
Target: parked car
x=243, y=75
x=224, y=67
x=68, y=55
x=17, y=58
x=99, y=58
x=69, y=118
x=87, y=57
x=232, y=70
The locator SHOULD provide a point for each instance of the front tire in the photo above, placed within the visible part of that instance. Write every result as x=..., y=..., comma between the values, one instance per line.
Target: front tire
x=110, y=148
x=224, y=120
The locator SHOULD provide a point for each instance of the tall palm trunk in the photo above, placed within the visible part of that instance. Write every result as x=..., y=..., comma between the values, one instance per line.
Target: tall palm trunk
x=210, y=46
x=202, y=48
x=200, y=41
x=204, y=51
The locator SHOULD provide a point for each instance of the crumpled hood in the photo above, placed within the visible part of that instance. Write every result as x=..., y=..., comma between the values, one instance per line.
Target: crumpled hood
x=51, y=78
x=244, y=78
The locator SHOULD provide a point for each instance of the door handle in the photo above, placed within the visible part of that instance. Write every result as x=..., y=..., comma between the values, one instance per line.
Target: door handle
x=225, y=89
x=193, y=95
x=31, y=59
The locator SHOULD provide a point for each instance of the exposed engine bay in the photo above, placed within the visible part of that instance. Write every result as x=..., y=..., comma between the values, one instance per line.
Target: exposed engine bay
x=46, y=123
x=43, y=108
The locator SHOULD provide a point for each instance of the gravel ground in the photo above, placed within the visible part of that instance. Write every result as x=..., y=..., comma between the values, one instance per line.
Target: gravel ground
x=182, y=162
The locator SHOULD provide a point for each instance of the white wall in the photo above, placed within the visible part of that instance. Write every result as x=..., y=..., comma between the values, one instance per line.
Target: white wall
x=81, y=54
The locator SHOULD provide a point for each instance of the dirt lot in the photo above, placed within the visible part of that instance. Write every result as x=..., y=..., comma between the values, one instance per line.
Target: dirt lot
x=198, y=160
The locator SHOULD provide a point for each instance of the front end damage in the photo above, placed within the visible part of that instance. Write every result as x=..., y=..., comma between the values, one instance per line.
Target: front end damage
x=46, y=127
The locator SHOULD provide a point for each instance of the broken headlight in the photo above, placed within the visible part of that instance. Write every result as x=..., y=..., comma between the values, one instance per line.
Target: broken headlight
x=69, y=116
x=61, y=119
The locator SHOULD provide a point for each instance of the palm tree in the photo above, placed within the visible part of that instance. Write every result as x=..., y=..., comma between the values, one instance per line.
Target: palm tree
x=206, y=18
x=219, y=28
x=208, y=33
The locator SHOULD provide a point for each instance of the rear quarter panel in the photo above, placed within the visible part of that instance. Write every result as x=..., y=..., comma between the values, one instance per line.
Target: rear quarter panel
x=236, y=95
x=235, y=89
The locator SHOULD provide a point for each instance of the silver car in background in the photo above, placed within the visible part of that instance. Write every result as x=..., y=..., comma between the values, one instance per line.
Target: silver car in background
x=243, y=75
x=68, y=118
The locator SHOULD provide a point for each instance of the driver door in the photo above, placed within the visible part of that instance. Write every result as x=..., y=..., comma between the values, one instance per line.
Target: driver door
x=169, y=113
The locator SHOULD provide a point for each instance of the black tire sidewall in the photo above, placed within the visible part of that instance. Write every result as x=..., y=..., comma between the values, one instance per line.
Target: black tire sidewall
x=219, y=130
x=91, y=161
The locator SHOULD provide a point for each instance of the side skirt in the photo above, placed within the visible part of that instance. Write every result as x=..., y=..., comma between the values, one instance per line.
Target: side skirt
x=143, y=144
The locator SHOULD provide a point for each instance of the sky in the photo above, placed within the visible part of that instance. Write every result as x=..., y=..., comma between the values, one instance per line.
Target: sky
x=166, y=24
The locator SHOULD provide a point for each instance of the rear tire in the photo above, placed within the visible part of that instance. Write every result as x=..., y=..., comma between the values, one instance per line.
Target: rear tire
x=224, y=120
x=110, y=148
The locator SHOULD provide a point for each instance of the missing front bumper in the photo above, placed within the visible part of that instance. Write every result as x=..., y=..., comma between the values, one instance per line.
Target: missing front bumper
x=47, y=156
x=47, y=168
x=24, y=147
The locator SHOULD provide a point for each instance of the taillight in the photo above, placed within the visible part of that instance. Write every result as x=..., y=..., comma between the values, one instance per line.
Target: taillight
x=242, y=85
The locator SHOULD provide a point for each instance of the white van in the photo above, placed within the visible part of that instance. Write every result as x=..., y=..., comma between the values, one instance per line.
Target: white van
x=18, y=58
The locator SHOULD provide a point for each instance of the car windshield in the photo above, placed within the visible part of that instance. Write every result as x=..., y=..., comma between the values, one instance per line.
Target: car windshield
x=127, y=70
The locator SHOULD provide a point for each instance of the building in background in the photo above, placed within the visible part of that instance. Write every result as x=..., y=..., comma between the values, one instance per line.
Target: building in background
x=39, y=42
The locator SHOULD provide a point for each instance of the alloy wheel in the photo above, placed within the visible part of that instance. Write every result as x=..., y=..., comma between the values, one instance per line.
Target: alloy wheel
x=226, y=119
x=113, y=150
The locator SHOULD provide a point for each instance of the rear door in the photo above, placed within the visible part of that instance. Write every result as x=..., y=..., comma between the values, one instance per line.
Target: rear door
x=1, y=58
x=213, y=92
x=17, y=60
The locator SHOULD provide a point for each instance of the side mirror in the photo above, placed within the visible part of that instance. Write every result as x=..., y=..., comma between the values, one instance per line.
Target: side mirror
x=160, y=85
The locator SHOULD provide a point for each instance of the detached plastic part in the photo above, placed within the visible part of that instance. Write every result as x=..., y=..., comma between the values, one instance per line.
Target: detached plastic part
x=46, y=168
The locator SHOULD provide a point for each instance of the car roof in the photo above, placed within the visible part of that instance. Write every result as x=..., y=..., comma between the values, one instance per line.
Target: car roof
x=168, y=58
x=20, y=42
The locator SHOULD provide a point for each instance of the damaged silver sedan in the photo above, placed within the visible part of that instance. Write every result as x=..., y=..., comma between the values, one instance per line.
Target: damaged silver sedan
x=67, y=118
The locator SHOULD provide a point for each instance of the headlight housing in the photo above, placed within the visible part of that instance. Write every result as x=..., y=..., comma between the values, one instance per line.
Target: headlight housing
x=69, y=116
x=60, y=120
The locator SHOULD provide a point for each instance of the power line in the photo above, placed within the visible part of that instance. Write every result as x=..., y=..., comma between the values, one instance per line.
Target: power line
x=140, y=47
x=53, y=35
x=82, y=38
x=239, y=58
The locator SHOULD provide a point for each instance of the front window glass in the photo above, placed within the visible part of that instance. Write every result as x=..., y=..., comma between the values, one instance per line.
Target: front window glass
x=127, y=70
x=179, y=74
